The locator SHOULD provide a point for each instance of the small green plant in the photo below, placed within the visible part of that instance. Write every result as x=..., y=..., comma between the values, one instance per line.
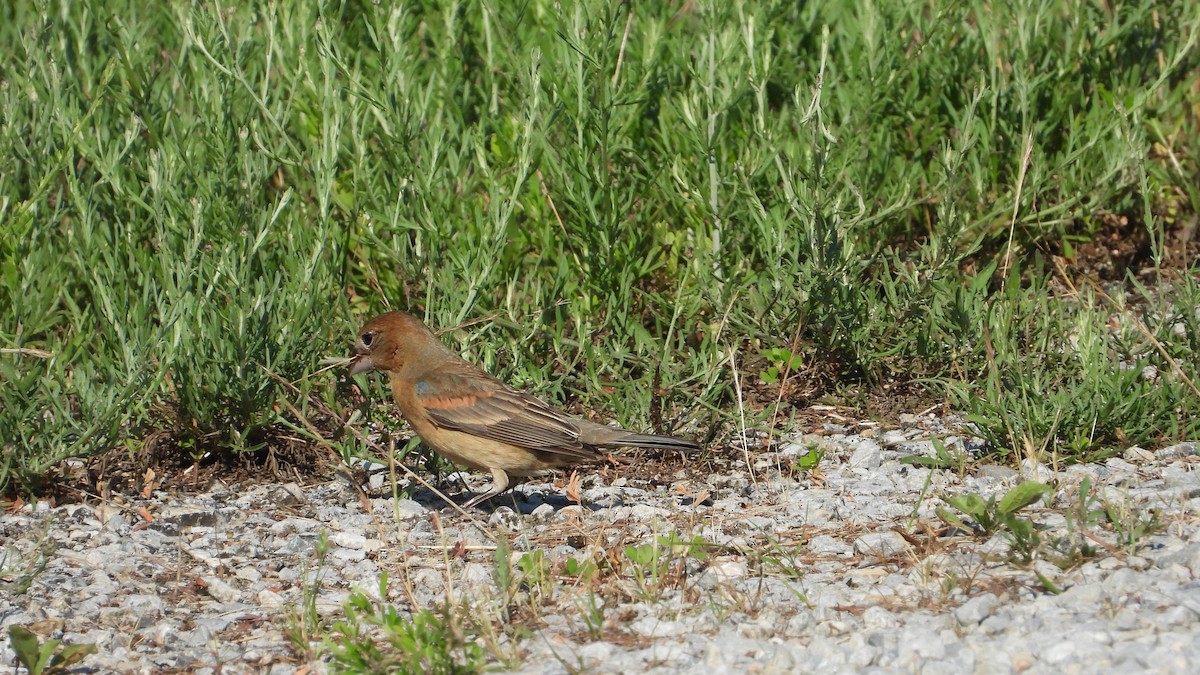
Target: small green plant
x=784, y=559
x=582, y=570
x=51, y=657
x=17, y=577
x=303, y=625
x=782, y=361
x=1131, y=525
x=650, y=563
x=991, y=516
x=374, y=637
x=942, y=458
x=1083, y=514
x=809, y=460
x=502, y=573
x=535, y=572
x=591, y=610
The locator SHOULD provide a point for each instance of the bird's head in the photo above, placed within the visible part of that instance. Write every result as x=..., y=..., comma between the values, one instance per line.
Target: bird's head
x=392, y=342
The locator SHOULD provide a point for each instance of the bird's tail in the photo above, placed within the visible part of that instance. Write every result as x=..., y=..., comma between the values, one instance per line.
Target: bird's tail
x=633, y=440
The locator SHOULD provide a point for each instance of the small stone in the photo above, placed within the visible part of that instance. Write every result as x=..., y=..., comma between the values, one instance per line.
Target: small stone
x=407, y=508
x=143, y=604
x=220, y=590
x=289, y=494
x=878, y=618
x=824, y=544
x=354, y=540
x=269, y=598
x=293, y=525
x=118, y=522
x=918, y=642
x=1034, y=470
x=1180, y=450
x=997, y=472
x=570, y=512
x=348, y=554
x=652, y=626
x=1120, y=465
x=1137, y=454
x=975, y=610
x=1188, y=556
x=206, y=556
x=1137, y=562
x=248, y=573
x=596, y=652
x=646, y=513
x=866, y=456
x=1126, y=619
x=542, y=513
x=722, y=572
x=881, y=544
x=561, y=553
x=505, y=517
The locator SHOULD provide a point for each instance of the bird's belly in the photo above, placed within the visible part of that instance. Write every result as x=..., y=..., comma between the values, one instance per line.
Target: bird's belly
x=482, y=453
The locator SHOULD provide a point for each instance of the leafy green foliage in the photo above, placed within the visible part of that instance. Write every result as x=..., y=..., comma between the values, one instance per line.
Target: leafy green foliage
x=45, y=658
x=942, y=458
x=992, y=516
x=199, y=194
x=658, y=563
x=375, y=637
x=781, y=360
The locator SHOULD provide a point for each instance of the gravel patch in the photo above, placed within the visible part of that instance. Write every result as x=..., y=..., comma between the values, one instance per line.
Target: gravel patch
x=846, y=568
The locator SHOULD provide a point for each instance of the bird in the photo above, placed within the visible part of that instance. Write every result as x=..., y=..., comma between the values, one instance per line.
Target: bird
x=475, y=420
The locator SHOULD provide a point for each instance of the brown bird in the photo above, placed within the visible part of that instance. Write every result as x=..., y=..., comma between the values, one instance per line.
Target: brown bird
x=474, y=419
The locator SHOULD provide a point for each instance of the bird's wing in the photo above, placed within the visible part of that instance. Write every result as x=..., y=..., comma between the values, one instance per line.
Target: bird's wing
x=490, y=409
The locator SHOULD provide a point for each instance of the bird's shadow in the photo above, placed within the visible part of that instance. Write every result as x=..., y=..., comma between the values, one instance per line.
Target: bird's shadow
x=520, y=502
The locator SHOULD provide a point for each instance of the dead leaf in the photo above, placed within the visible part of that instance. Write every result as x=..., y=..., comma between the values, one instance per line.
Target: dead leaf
x=573, y=487
x=148, y=483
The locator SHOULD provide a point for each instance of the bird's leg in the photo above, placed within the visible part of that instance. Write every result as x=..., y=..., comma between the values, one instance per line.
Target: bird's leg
x=499, y=485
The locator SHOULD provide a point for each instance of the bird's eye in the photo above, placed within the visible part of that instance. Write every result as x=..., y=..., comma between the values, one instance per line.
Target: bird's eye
x=367, y=338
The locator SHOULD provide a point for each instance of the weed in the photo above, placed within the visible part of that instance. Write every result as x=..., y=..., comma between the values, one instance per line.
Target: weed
x=942, y=458
x=51, y=657
x=781, y=360
x=991, y=516
x=1131, y=524
x=591, y=609
x=784, y=559
x=659, y=563
x=374, y=637
x=303, y=626
x=810, y=459
x=17, y=576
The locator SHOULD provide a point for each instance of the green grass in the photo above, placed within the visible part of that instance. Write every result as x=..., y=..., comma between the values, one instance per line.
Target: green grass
x=193, y=196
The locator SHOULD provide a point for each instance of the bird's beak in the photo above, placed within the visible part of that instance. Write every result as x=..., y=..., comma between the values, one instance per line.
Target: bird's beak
x=362, y=364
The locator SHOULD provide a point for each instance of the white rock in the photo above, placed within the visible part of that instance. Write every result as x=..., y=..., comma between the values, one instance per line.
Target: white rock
x=220, y=590
x=881, y=544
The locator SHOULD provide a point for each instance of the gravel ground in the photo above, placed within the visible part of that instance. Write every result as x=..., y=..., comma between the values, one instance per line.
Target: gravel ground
x=847, y=568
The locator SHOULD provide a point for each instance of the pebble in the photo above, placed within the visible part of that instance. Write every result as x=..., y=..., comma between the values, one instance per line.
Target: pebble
x=881, y=544
x=797, y=572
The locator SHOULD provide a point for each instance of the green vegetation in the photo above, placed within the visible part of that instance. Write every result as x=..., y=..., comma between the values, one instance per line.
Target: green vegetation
x=427, y=642
x=51, y=657
x=613, y=198
x=992, y=516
